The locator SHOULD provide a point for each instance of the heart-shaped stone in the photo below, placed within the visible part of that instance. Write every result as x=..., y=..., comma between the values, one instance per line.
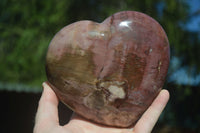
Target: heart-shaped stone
x=109, y=72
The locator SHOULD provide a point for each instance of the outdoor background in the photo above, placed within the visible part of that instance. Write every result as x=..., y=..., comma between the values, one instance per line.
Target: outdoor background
x=27, y=27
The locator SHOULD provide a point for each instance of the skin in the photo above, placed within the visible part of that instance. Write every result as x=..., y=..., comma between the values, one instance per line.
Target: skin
x=47, y=120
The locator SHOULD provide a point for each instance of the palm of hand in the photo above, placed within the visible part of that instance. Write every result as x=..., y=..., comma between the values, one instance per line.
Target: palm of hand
x=47, y=117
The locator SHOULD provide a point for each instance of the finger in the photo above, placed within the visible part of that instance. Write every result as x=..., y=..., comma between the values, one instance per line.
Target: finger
x=150, y=117
x=48, y=107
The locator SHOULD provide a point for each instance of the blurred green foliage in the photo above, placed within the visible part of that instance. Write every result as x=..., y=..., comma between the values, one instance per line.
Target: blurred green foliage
x=27, y=27
x=26, y=30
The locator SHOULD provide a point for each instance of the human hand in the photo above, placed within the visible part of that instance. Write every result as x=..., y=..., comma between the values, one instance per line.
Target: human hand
x=47, y=120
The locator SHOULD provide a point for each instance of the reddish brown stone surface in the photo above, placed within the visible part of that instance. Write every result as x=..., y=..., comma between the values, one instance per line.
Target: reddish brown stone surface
x=109, y=72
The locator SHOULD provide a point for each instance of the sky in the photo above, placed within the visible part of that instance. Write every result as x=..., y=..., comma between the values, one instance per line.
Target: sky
x=183, y=75
x=187, y=75
x=194, y=24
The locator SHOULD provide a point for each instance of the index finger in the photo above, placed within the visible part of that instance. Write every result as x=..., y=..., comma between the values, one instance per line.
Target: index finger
x=150, y=117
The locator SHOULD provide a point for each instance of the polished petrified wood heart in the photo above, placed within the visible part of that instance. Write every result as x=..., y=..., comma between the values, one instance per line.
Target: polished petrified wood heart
x=109, y=72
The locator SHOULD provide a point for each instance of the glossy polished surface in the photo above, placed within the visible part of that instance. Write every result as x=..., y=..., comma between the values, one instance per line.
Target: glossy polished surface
x=109, y=72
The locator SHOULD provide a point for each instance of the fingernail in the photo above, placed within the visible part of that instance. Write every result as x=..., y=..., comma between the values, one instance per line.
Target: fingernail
x=44, y=84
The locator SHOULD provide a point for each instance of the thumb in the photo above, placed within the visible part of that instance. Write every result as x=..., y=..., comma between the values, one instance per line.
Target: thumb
x=47, y=113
